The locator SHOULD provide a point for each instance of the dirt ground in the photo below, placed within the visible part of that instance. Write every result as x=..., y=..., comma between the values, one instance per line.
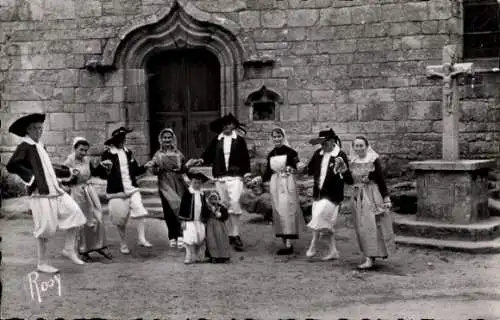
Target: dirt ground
x=154, y=283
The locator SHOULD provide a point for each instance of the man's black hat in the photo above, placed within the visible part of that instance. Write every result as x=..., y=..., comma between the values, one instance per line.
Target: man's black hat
x=118, y=133
x=218, y=125
x=323, y=136
x=20, y=126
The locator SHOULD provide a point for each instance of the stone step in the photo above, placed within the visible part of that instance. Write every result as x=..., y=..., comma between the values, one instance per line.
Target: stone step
x=152, y=202
x=146, y=192
x=149, y=181
x=409, y=226
x=477, y=247
x=155, y=212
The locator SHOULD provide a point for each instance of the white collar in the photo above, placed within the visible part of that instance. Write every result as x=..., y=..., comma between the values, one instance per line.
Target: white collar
x=192, y=191
x=335, y=152
x=233, y=135
x=114, y=150
x=30, y=141
x=370, y=156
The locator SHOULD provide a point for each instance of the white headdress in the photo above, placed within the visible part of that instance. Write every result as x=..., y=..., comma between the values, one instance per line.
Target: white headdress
x=72, y=156
x=174, y=137
x=370, y=156
x=77, y=140
x=285, y=138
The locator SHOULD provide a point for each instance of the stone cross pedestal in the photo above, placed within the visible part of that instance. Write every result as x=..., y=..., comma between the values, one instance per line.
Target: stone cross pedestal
x=452, y=194
x=449, y=74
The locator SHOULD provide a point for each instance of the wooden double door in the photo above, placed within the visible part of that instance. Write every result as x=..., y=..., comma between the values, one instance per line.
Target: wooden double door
x=184, y=94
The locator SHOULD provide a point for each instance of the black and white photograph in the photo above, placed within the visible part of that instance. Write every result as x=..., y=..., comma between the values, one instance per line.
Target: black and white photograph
x=250, y=159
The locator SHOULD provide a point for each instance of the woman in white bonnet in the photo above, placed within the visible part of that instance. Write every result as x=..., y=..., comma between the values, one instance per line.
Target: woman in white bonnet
x=371, y=204
x=169, y=164
x=282, y=162
x=92, y=234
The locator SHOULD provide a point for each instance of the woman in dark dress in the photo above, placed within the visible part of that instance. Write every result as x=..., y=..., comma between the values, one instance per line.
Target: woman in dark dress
x=169, y=165
x=281, y=166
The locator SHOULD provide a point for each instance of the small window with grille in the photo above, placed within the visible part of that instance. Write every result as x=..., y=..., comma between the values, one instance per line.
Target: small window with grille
x=481, y=29
x=264, y=105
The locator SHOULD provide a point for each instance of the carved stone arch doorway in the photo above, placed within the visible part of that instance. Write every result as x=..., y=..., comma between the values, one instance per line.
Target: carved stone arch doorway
x=184, y=94
x=191, y=49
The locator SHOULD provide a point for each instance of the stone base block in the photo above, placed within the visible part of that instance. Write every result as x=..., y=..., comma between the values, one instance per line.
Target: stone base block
x=454, y=192
x=478, y=247
x=409, y=226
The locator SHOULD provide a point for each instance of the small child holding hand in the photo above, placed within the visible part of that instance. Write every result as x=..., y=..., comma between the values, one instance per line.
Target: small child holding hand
x=193, y=214
x=217, y=236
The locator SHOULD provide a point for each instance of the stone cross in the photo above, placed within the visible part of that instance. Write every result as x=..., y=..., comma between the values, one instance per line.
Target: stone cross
x=449, y=73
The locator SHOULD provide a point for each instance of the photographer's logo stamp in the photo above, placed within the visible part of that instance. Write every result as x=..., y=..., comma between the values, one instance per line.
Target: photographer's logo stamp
x=41, y=284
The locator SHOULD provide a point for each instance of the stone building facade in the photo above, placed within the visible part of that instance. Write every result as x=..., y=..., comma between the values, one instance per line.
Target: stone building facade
x=356, y=66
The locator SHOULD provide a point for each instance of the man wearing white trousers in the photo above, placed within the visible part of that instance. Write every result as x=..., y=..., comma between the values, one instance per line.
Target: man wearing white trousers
x=52, y=208
x=228, y=155
x=330, y=169
x=122, y=191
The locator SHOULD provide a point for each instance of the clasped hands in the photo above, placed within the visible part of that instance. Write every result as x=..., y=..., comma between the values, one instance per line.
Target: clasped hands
x=194, y=163
x=107, y=164
x=74, y=172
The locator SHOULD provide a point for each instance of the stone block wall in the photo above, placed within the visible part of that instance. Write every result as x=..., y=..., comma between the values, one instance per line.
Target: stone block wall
x=356, y=66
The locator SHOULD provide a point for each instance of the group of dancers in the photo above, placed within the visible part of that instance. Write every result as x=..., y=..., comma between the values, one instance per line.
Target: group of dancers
x=206, y=223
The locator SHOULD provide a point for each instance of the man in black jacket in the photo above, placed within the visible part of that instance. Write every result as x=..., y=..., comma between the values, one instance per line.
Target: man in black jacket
x=122, y=191
x=329, y=167
x=52, y=208
x=228, y=155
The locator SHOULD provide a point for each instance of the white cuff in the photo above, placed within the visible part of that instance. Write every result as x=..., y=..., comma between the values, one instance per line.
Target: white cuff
x=29, y=183
x=247, y=175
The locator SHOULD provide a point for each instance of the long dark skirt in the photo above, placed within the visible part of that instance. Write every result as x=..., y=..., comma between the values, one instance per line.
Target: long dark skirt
x=171, y=219
x=217, y=239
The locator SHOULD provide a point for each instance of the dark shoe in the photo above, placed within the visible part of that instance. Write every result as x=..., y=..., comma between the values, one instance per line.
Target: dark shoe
x=285, y=251
x=86, y=257
x=103, y=252
x=238, y=244
x=231, y=240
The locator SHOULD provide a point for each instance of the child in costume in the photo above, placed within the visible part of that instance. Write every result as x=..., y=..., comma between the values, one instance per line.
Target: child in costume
x=217, y=240
x=193, y=214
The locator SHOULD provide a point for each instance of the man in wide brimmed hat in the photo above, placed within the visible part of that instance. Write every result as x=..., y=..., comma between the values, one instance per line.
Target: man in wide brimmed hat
x=122, y=190
x=228, y=155
x=329, y=167
x=51, y=207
